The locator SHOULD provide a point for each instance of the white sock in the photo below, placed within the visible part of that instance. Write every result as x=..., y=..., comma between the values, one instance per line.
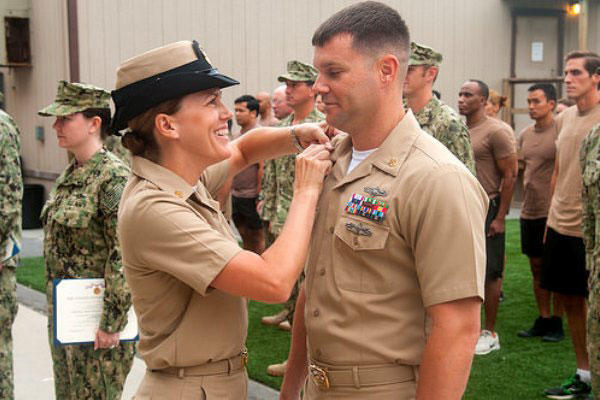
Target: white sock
x=584, y=375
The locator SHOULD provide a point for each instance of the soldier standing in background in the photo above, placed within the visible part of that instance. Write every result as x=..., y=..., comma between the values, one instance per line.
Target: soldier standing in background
x=265, y=110
x=277, y=187
x=80, y=241
x=590, y=154
x=435, y=117
x=536, y=144
x=496, y=162
x=11, y=195
x=564, y=270
x=114, y=145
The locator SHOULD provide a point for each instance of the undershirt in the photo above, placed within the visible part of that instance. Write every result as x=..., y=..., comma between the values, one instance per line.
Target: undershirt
x=358, y=157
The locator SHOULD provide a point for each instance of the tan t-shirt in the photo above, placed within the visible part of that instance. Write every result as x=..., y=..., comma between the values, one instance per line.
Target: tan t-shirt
x=564, y=215
x=368, y=283
x=538, y=150
x=492, y=140
x=174, y=242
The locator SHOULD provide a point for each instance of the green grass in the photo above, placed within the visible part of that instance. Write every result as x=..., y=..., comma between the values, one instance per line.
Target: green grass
x=520, y=370
x=31, y=273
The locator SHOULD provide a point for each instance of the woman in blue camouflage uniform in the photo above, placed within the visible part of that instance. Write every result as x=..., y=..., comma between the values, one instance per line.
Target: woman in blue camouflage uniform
x=80, y=241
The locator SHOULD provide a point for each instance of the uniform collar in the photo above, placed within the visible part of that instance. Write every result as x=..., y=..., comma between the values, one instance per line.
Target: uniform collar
x=389, y=157
x=74, y=175
x=165, y=179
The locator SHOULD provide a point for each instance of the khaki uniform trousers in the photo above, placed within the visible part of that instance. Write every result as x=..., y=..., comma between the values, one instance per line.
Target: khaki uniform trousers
x=160, y=386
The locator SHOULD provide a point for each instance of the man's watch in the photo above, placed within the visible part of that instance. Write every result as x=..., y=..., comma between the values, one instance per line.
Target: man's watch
x=295, y=140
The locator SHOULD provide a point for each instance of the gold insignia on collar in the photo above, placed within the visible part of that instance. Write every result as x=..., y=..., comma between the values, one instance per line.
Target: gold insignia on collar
x=178, y=193
x=392, y=162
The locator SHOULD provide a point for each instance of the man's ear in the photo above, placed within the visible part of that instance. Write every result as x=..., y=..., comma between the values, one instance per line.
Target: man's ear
x=388, y=65
x=165, y=127
x=432, y=72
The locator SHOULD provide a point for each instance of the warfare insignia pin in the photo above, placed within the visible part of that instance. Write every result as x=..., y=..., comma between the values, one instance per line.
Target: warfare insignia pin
x=359, y=229
x=367, y=207
x=375, y=191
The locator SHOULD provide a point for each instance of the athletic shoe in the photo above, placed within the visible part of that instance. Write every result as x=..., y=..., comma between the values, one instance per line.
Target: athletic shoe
x=540, y=327
x=487, y=342
x=276, y=319
x=555, y=332
x=285, y=326
x=572, y=388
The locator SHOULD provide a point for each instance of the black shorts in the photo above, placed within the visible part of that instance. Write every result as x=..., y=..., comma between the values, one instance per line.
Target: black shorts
x=532, y=237
x=494, y=245
x=244, y=212
x=563, y=269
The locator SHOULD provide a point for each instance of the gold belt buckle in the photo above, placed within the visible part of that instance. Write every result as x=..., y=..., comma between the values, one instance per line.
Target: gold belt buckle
x=319, y=376
x=244, y=355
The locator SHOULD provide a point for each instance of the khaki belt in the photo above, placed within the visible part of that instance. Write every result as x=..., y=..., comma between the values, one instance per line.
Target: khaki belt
x=357, y=376
x=226, y=366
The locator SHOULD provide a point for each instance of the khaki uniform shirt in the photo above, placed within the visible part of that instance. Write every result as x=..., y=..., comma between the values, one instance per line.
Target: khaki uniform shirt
x=366, y=293
x=538, y=151
x=564, y=215
x=175, y=241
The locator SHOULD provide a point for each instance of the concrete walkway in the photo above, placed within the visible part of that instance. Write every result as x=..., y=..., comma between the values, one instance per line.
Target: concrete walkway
x=32, y=360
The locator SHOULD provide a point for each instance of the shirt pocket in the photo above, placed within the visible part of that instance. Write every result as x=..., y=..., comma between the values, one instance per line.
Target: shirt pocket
x=75, y=216
x=360, y=258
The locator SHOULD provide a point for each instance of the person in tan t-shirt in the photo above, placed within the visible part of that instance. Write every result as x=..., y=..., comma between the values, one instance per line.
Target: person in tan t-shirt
x=398, y=242
x=496, y=164
x=188, y=277
x=564, y=268
x=536, y=144
x=246, y=184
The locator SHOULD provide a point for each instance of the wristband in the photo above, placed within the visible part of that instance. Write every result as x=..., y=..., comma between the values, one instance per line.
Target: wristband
x=295, y=140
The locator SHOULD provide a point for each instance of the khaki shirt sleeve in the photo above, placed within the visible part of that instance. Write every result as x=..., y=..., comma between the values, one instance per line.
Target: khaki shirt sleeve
x=447, y=235
x=214, y=177
x=502, y=142
x=170, y=237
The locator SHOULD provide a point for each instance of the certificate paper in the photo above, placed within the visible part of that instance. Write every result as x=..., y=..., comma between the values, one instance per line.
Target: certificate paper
x=78, y=305
x=13, y=247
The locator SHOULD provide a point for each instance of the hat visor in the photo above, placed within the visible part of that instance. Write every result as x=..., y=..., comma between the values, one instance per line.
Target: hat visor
x=134, y=99
x=294, y=78
x=60, y=110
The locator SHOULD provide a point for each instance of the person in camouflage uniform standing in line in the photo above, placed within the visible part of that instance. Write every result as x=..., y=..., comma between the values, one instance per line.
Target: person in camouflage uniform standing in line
x=590, y=169
x=80, y=241
x=278, y=179
x=114, y=145
x=11, y=195
x=435, y=117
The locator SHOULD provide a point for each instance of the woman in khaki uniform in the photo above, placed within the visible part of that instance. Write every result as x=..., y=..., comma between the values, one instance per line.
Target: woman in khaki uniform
x=188, y=276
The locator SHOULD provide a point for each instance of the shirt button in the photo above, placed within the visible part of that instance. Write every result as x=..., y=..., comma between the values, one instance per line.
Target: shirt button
x=316, y=313
x=322, y=271
x=331, y=229
x=355, y=241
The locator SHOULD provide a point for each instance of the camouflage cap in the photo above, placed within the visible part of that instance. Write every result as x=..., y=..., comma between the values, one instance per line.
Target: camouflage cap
x=76, y=97
x=299, y=72
x=423, y=55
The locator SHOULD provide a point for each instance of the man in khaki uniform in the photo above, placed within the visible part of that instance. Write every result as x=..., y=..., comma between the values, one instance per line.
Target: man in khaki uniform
x=398, y=234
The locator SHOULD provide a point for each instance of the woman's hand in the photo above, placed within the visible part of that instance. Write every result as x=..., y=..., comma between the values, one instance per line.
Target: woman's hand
x=311, y=133
x=105, y=340
x=311, y=167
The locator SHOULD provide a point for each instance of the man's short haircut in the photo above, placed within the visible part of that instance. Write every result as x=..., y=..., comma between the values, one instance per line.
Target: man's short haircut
x=251, y=102
x=591, y=62
x=373, y=26
x=566, y=101
x=548, y=89
x=484, y=90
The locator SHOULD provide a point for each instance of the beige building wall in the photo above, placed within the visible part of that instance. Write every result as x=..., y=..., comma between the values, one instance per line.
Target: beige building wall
x=253, y=40
x=30, y=88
